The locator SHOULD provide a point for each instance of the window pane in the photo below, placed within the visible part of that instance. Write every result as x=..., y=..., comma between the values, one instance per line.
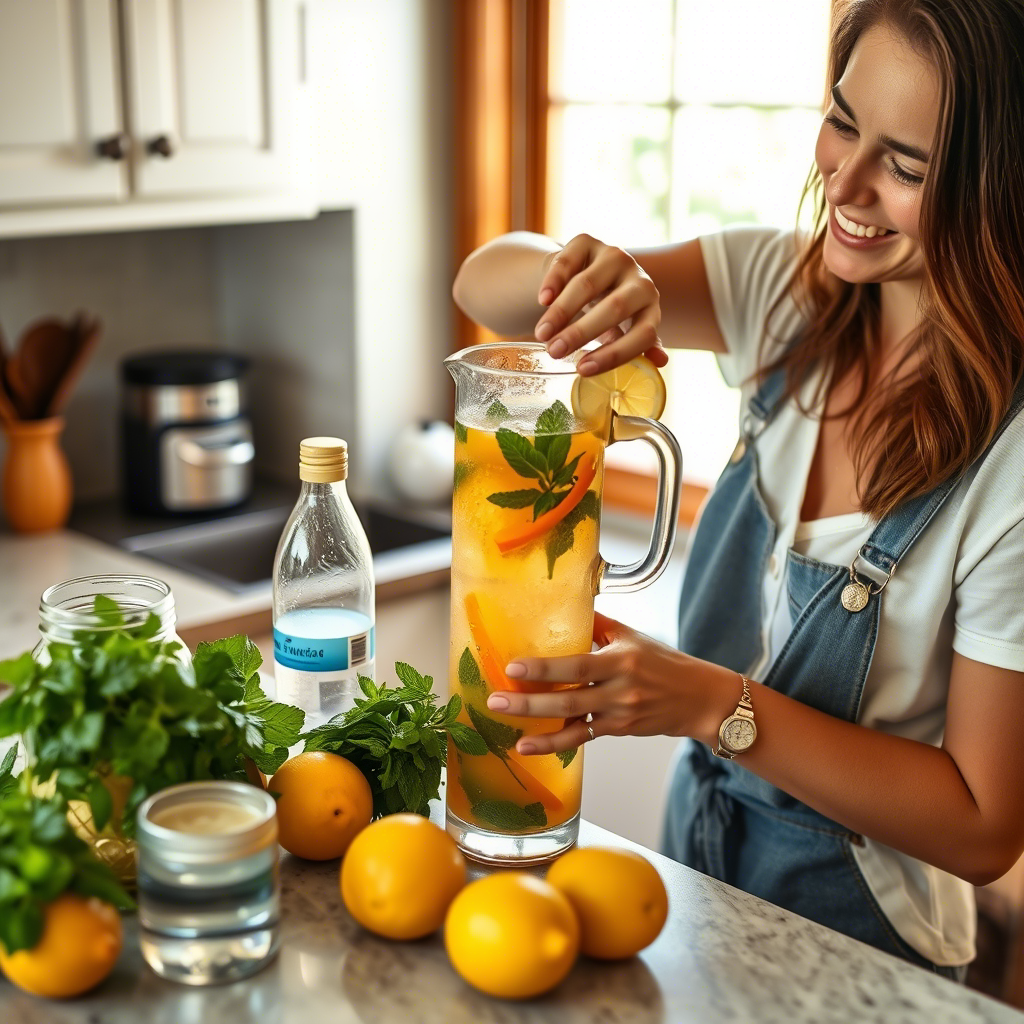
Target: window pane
x=752, y=51
x=609, y=173
x=740, y=164
x=601, y=51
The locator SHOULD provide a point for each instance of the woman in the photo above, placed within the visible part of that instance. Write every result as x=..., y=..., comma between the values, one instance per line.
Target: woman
x=854, y=587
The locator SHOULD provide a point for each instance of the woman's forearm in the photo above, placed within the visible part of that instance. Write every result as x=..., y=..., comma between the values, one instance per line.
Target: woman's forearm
x=497, y=284
x=905, y=794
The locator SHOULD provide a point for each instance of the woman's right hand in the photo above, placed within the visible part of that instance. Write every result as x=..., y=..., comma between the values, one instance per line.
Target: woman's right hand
x=607, y=286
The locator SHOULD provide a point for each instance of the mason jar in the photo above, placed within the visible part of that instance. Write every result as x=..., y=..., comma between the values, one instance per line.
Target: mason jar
x=208, y=884
x=66, y=612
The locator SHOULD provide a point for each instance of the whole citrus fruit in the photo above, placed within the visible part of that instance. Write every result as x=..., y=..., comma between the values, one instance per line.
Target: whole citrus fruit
x=512, y=935
x=618, y=896
x=79, y=946
x=324, y=801
x=399, y=876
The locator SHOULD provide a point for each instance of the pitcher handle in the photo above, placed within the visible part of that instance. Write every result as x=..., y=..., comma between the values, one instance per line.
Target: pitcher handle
x=624, y=579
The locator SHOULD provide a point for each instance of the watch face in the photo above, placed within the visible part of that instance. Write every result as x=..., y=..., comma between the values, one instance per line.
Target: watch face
x=738, y=733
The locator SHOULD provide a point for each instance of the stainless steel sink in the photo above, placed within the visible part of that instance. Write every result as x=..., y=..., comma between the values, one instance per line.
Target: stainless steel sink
x=237, y=552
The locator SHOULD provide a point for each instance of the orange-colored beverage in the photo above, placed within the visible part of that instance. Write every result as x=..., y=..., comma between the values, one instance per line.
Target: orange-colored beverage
x=525, y=524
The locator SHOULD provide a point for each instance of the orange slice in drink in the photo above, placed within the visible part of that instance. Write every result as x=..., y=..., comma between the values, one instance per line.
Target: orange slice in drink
x=636, y=388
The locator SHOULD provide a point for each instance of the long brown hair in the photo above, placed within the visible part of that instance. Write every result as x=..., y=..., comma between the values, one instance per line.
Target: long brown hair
x=930, y=425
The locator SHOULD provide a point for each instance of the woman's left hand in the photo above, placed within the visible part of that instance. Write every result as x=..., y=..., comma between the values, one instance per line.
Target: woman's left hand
x=640, y=688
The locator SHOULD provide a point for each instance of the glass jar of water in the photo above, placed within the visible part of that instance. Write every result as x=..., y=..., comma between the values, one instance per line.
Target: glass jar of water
x=209, y=892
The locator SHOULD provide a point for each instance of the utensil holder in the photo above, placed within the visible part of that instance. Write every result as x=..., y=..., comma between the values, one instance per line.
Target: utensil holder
x=36, y=478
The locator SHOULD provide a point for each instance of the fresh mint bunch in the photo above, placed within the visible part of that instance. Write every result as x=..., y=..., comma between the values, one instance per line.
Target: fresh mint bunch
x=397, y=737
x=117, y=705
x=40, y=858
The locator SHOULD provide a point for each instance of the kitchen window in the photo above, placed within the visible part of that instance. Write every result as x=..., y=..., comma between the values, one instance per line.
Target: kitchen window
x=672, y=118
x=641, y=125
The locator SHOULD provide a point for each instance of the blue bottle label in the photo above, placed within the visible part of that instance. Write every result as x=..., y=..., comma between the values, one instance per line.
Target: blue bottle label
x=320, y=653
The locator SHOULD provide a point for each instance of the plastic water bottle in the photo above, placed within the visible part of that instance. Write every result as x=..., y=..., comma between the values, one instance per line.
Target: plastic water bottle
x=323, y=590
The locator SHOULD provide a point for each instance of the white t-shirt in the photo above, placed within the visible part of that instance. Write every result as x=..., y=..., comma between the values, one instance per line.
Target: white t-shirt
x=959, y=588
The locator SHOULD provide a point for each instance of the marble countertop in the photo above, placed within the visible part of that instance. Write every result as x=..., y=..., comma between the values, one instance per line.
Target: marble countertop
x=723, y=956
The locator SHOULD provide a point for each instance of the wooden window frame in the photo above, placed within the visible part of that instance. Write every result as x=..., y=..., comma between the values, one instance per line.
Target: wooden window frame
x=501, y=105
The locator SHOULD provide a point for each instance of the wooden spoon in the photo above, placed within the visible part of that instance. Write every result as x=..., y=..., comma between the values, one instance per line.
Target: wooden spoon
x=85, y=333
x=35, y=370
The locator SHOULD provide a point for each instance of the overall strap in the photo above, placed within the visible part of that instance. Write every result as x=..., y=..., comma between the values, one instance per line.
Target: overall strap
x=897, y=531
x=764, y=404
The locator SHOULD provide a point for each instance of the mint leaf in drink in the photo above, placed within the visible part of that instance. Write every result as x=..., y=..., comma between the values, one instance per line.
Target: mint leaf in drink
x=461, y=434
x=521, y=455
x=510, y=817
x=469, y=741
x=469, y=672
x=567, y=756
x=496, y=412
x=556, y=451
x=560, y=539
x=547, y=501
x=498, y=737
x=556, y=419
x=515, y=499
x=564, y=476
x=463, y=471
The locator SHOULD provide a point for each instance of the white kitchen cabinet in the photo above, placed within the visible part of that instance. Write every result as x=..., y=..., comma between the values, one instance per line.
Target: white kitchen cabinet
x=60, y=90
x=210, y=87
x=138, y=113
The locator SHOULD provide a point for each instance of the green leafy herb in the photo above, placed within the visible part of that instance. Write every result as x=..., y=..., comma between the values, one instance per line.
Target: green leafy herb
x=397, y=739
x=498, y=737
x=469, y=672
x=461, y=434
x=567, y=756
x=119, y=705
x=496, y=412
x=41, y=857
x=510, y=817
x=8, y=780
x=542, y=459
x=560, y=539
x=463, y=470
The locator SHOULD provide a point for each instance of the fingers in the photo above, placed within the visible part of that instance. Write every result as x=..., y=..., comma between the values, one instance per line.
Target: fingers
x=574, y=735
x=554, y=704
x=577, y=668
x=640, y=339
x=563, y=266
x=607, y=630
x=631, y=300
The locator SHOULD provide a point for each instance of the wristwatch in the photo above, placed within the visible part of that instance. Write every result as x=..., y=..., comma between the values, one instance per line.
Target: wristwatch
x=738, y=731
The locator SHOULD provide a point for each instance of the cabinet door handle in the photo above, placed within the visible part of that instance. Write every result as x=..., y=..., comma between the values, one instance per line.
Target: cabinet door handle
x=161, y=146
x=113, y=147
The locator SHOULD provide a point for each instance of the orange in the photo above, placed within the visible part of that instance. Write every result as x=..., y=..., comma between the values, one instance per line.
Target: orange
x=618, y=896
x=511, y=935
x=399, y=876
x=79, y=946
x=324, y=801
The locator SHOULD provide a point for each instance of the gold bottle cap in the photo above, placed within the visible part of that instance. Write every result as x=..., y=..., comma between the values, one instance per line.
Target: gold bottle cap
x=323, y=460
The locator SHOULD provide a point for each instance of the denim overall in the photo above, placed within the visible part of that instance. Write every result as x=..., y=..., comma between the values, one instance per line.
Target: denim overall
x=722, y=819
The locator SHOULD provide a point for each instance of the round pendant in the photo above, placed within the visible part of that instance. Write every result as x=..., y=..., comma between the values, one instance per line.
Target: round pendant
x=855, y=596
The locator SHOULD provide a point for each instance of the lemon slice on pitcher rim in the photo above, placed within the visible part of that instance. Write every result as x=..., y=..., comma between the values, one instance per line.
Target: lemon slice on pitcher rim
x=636, y=388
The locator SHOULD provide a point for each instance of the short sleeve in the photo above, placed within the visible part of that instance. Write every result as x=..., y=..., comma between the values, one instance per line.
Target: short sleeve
x=989, y=617
x=748, y=269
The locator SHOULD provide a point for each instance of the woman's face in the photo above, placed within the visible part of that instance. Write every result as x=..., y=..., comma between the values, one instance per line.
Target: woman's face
x=872, y=152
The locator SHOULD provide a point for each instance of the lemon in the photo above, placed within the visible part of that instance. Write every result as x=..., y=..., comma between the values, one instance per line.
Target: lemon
x=324, y=801
x=636, y=388
x=511, y=935
x=399, y=876
x=79, y=946
x=618, y=896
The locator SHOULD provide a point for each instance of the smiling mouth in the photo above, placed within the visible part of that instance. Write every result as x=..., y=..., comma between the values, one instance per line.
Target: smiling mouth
x=858, y=235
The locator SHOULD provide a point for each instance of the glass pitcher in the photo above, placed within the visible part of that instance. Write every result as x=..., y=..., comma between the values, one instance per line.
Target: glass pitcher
x=529, y=475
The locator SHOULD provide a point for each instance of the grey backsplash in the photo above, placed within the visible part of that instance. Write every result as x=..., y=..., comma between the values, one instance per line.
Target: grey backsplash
x=281, y=293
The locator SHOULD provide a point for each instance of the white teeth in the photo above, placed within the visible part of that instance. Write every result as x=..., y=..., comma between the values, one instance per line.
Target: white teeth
x=860, y=230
